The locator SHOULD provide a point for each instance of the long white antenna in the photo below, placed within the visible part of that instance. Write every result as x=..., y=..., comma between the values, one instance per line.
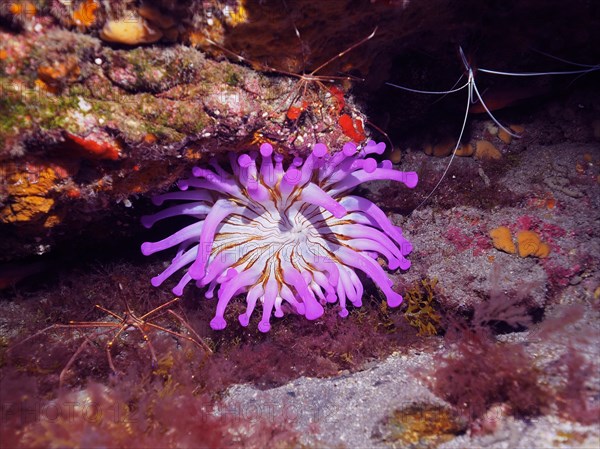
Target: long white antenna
x=462, y=130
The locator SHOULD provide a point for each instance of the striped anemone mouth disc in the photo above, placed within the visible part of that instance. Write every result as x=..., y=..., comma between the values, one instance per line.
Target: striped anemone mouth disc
x=289, y=238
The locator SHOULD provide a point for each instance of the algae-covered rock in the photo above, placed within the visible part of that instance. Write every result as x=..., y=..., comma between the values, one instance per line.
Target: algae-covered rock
x=123, y=122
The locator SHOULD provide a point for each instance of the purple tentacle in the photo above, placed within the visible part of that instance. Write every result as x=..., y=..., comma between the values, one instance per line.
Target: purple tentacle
x=357, y=203
x=253, y=294
x=226, y=292
x=409, y=179
x=221, y=210
x=197, y=209
x=190, y=195
x=187, y=233
x=373, y=270
x=313, y=309
x=312, y=193
x=181, y=262
x=268, y=303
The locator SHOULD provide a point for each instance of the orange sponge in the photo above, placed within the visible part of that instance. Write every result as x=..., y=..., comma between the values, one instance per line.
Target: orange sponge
x=502, y=240
x=487, y=151
x=530, y=245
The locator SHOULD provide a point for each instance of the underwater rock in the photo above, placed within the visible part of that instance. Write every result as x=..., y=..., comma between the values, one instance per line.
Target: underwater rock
x=120, y=123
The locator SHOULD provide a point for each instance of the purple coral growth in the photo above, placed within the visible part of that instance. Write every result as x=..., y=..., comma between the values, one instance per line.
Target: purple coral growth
x=291, y=238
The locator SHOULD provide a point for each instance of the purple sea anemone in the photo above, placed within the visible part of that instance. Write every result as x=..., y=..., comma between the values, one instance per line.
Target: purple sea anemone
x=290, y=238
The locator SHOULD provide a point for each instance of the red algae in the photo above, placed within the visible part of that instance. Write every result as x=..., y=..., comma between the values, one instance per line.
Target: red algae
x=183, y=380
x=477, y=371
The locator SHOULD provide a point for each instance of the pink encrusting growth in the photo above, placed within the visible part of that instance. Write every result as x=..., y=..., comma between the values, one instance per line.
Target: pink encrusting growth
x=290, y=239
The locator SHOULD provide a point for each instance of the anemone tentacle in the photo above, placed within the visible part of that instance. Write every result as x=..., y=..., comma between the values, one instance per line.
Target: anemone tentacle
x=289, y=238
